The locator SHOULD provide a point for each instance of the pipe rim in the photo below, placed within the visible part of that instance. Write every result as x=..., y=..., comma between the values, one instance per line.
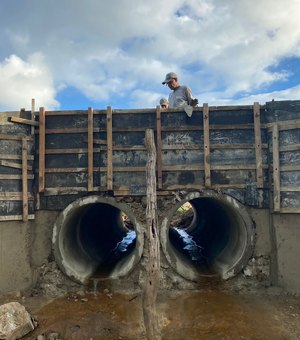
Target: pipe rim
x=246, y=225
x=121, y=269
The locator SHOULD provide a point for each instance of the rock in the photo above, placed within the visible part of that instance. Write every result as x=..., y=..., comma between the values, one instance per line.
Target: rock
x=15, y=321
x=41, y=337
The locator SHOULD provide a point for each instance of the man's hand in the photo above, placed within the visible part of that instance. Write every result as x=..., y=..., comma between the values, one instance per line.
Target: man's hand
x=194, y=102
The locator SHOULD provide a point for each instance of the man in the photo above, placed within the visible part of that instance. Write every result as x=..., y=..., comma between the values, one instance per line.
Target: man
x=164, y=104
x=182, y=95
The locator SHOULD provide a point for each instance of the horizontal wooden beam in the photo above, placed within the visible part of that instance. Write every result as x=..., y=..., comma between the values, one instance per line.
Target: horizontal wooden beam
x=14, y=137
x=12, y=177
x=15, y=217
x=13, y=165
x=24, y=121
x=14, y=157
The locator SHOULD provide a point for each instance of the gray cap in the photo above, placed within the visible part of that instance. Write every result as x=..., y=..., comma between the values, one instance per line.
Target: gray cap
x=163, y=101
x=169, y=77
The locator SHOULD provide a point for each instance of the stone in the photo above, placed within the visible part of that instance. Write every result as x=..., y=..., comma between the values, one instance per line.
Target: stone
x=15, y=321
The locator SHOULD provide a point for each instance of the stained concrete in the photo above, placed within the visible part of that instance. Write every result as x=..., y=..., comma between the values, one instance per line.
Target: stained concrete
x=16, y=271
x=287, y=232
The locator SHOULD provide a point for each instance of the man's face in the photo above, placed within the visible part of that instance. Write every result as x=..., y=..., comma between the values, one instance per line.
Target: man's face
x=172, y=84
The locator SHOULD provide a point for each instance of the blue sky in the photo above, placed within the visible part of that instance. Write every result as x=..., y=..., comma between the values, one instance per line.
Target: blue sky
x=79, y=54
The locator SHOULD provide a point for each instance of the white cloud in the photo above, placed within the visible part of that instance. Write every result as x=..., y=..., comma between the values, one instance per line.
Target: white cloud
x=123, y=48
x=20, y=81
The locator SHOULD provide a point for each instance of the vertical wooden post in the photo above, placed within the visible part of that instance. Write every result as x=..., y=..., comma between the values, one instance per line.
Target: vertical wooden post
x=32, y=114
x=153, y=244
x=159, y=149
x=276, y=168
x=258, y=148
x=24, y=179
x=206, y=145
x=42, y=141
x=109, y=148
x=90, y=182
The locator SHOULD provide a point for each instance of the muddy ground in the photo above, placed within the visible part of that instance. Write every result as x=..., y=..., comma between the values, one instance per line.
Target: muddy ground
x=210, y=313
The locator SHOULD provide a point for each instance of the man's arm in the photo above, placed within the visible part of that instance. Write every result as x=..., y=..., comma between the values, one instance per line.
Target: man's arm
x=190, y=98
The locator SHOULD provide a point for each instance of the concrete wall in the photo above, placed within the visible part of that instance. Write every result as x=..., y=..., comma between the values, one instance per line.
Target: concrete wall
x=25, y=247
x=287, y=233
x=15, y=256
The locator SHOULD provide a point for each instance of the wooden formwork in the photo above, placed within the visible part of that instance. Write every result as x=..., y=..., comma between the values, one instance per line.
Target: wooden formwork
x=218, y=147
x=103, y=150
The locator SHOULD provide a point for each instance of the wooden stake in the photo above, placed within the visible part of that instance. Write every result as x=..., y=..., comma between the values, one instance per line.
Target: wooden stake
x=276, y=168
x=258, y=146
x=206, y=145
x=32, y=114
x=153, y=244
x=24, y=180
x=42, y=141
x=109, y=149
x=90, y=149
x=158, y=142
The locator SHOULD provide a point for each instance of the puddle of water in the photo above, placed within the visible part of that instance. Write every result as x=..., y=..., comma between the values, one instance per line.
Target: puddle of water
x=211, y=315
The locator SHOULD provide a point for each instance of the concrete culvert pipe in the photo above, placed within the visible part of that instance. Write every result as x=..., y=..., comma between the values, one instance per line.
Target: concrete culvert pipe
x=97, y=237
x=208, y=235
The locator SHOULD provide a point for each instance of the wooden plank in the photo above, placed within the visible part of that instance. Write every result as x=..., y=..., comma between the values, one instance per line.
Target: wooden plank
x=66, y=151
x=290, y=189
x=258, y=146
x=159, y=147
x=42, y=142
x=66, y=190
x=235, y=107
x=24, y=121
x=100, y=141
x=73, y=113
x=24, y=180
x=236, y=146
x=142, y=129
x=90, y=183
x=13, y=137
x=212, y=127
x=13, y=196
x=13, y=165
x=13, y=177
x=290, y=168
x=236, y=167
x=95, y=169
x=276, y=168
x=32, y=116
x=295, y=147
x=109, y=148
x=201, y=187
x=286, y=124
x=207, y=178
x=15, y=157
x=142, y=148
x=15, y=217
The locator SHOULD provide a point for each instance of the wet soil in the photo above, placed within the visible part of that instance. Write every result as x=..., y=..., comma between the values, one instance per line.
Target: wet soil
x=208, y=314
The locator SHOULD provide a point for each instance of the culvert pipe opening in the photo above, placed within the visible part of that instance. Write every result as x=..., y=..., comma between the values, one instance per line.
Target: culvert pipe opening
x=96, y=238
x=208, y=236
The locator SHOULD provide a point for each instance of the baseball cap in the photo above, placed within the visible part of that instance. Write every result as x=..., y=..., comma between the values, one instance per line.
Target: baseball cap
x=169, y=77
x=163, y=101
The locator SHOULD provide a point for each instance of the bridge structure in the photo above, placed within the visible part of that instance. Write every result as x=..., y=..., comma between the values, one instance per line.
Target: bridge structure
x=238, y=167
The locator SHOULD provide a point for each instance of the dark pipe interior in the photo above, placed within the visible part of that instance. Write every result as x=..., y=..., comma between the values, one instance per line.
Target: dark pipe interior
x=104, y=237
x=205, y=237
